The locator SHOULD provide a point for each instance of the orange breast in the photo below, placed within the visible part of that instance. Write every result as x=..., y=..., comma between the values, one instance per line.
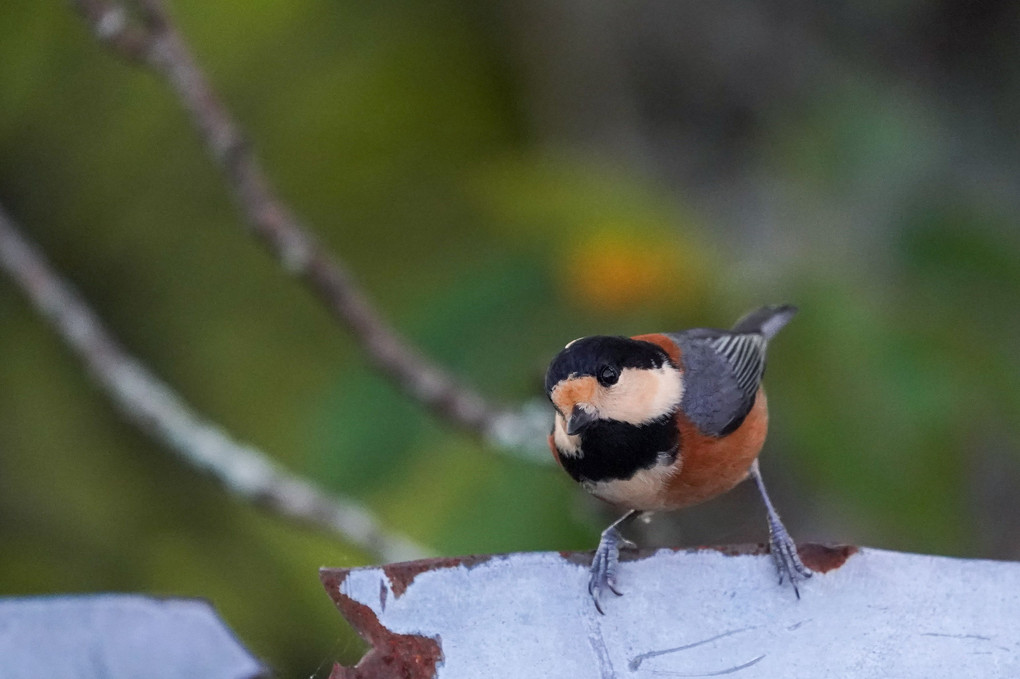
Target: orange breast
x=663, y=342
x=711, y=466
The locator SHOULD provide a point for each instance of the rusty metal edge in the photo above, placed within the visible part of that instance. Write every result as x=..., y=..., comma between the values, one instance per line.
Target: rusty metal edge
x=409, y=656
x=819, y=557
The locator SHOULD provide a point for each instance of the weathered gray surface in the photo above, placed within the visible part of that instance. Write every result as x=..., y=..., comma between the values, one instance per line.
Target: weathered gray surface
x=686, y=614
x=118, y=636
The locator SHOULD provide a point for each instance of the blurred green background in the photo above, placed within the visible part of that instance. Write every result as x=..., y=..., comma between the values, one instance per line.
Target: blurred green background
x=502, y=178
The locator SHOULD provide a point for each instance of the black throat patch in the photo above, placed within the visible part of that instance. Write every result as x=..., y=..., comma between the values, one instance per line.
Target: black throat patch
x=617, y=450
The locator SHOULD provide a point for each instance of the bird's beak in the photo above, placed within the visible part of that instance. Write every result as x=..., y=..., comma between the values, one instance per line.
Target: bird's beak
x=580, y=417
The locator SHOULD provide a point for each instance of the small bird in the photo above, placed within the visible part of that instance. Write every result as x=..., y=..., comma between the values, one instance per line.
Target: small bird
x=665, y=421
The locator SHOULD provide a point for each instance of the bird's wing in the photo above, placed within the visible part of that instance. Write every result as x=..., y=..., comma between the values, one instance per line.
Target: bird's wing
x=722, y=373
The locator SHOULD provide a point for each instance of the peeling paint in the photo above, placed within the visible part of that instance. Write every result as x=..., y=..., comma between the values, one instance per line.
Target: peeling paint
x=401, y=575
x=400, y=656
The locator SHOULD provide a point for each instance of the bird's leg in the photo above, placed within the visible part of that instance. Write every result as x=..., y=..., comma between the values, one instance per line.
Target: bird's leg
x=784, y=551
x=607, y=558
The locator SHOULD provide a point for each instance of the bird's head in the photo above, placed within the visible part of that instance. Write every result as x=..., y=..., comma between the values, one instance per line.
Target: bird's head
x=611, y=378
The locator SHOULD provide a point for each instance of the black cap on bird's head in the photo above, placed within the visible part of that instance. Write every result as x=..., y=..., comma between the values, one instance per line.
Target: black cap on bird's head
x=602, y=354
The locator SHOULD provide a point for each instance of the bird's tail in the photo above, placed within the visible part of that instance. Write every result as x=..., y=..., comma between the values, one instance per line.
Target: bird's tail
x=768, y=320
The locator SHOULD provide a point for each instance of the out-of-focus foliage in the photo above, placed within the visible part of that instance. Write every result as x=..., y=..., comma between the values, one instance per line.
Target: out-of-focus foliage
x=503, y=180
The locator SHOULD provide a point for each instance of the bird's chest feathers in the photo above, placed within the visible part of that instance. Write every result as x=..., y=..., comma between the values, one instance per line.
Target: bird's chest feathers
x=644, y=490
x=616, y=451
x=660, y=465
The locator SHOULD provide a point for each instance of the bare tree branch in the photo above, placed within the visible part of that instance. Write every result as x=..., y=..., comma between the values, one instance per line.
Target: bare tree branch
x=150, y=38
x=159, y=411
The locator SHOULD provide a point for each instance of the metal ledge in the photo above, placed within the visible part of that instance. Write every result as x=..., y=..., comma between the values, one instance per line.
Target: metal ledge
x=694, y=613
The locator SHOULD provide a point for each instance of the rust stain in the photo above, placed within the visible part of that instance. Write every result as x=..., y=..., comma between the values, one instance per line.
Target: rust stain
x=401, y=575
x=752, y=549
x=400, y=656
x=819, y=558
x=824, y=558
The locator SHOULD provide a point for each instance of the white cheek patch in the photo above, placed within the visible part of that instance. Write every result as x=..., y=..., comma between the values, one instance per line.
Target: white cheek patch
x=641, y=396
x=569, y=446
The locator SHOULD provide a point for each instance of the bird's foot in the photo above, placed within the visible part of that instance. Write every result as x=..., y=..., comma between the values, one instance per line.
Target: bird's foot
x=784, y=552
x=604, y=565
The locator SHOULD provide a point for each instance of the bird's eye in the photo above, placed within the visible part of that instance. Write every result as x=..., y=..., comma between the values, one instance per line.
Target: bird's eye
x=608, y=375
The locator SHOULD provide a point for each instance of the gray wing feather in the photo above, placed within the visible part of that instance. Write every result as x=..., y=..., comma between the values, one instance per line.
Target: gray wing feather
x=745, y=355
x=722, y=373
x=723, y=368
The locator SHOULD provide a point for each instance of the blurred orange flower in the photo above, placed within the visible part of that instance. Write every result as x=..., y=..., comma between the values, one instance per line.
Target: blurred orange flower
x=611, y=270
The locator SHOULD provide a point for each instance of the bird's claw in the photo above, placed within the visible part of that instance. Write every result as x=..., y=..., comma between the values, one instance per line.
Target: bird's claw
x=784, y=552
x=604, y=566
